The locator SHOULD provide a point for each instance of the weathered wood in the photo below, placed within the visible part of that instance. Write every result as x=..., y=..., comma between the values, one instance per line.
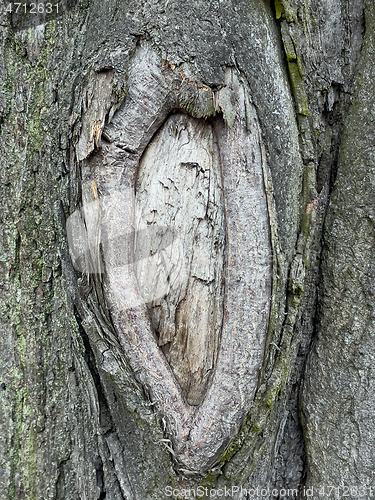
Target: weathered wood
x=179, y=190
x=199, y=436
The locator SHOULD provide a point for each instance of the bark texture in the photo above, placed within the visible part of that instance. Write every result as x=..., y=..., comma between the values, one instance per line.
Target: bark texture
x=338, y=395
x=267, y=88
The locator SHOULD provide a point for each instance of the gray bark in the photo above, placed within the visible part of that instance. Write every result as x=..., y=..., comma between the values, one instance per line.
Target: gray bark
x=340, y=427
x=112, y=389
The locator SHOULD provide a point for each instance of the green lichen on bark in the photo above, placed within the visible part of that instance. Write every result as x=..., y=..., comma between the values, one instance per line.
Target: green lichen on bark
x=295, y=69
x=298, y=88
x=285, y=10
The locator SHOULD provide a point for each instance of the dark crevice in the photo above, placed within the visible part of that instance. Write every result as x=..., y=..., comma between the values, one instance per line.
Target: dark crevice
x=104, y=413
x=334, y=114
x=15, y=269
x=100, y=480
x=60, y=483
x=105, y=418
x=292, y=446
x=105, y=69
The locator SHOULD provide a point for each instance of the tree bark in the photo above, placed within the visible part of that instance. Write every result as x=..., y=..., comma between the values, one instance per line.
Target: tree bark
x=277, y=95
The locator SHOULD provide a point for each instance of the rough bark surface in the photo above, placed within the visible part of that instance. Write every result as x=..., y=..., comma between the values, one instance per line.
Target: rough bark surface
x=78, y=416
x=338, y=395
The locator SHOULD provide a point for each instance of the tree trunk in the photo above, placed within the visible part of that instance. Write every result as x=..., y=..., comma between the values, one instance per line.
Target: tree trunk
x=187, y=247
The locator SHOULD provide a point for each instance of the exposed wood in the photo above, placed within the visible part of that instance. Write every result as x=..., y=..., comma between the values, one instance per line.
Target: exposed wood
x=179, y=190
